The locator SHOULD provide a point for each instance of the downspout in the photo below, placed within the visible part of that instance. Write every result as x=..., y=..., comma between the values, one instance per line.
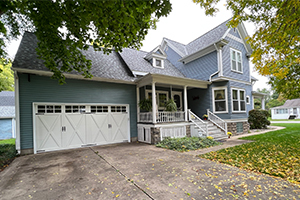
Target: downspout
x=17, y=113
x=218, y=56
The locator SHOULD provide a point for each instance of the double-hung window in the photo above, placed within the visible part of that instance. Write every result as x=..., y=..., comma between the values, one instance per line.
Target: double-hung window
x=220, y=100
x=238, y=100
x=236, y=61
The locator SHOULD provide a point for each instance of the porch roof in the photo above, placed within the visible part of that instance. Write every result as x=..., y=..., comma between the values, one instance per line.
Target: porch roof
x=171, y=80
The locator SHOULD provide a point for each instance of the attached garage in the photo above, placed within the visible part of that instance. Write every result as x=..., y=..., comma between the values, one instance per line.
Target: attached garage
x=65, y=126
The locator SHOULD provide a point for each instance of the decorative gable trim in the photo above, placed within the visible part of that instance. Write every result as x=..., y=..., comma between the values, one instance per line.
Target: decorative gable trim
x=165, y=43
x=235, y=38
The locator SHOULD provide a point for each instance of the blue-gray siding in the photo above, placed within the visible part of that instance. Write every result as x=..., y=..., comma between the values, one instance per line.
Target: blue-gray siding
x=200, y=69
x=199, y=100
x=245, y=76
x=235, y=33
x=5, y=129
x=43, y=89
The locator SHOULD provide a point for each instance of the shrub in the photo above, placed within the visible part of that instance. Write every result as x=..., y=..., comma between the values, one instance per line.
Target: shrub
x=7, y=154
x=258, y=119
x=187, y=143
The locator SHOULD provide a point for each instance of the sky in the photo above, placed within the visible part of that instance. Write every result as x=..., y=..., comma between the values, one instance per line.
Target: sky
x=186, y=22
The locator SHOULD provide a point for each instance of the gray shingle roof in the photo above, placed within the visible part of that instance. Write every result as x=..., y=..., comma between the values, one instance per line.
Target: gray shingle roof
x=7, y=98
x=180, y=47
x=207, y=39
x=294, y=103
x=136, y=62
x=7, y=111
x=105, y=66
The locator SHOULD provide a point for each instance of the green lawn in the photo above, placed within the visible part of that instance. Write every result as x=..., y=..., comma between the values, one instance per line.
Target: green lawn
x=9, y=141
x=276, y=153
x=283, y=119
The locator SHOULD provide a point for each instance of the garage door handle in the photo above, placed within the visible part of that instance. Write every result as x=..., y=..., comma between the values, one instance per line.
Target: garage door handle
x=109, y=125
x=63, y=128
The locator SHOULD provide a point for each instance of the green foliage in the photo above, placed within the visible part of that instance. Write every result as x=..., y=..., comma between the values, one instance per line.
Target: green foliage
x=258, y=119
x=66, y=28
x=276, y=153
x=276, y=42
x=6, y=76
x=187, y=143
x=146, y=105
x=8, y=141
x=171, y=105
x=7, y=154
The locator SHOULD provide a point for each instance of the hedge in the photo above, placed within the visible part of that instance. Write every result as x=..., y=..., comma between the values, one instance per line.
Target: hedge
x=258, y=119
x=7, y=154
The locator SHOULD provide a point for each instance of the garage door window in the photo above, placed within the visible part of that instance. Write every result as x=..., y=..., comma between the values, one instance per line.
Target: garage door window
x=118, y=109
x=99, y=109
x=41, y=109
x=74, y=109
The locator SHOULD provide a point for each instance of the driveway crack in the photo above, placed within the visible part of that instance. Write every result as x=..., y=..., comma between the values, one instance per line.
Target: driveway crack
x=128, y=179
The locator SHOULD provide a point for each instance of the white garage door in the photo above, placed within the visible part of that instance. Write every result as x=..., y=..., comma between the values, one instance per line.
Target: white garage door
x=66, y=126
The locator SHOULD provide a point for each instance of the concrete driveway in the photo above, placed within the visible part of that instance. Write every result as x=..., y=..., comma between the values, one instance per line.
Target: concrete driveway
x=134, y=171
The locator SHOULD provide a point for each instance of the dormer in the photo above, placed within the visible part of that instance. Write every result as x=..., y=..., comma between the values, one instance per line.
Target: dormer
x=156, y=57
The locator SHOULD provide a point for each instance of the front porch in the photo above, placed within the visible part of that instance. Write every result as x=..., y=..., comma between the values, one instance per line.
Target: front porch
x=156, y=123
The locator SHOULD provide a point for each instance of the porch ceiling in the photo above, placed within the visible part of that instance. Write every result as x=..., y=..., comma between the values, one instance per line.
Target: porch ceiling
x=170, y=80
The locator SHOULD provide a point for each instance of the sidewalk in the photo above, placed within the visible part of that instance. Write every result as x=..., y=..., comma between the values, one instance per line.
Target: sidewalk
x=234, y=140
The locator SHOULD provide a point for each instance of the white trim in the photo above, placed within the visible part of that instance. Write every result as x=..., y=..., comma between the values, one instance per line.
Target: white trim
x=225, y=34
x=230, y=79
x=238, y=100
x=138, y=101
x=154, y=63
x=153, y=103
x=174, y=48
x=235, y=38
x=17, y=111
x=185, y=103
x=236, y=60
x=213, y=99
x=137, y=73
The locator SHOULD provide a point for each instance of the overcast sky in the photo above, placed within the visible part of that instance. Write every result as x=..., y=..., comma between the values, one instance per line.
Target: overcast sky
x=186, y=22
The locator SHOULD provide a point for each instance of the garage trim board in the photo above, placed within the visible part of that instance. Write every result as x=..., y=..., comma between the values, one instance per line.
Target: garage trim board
x=58, y=126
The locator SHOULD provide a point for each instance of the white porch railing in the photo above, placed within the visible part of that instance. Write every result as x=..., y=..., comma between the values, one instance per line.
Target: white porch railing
x=162, y=117
x=199, y=123
x=146, y=117
x=217, y=121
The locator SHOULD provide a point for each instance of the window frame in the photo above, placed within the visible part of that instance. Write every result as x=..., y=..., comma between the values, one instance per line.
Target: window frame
x=239, y=100
x=236, y=60
x=213, y=99
x=161, y=61
x=157, y=92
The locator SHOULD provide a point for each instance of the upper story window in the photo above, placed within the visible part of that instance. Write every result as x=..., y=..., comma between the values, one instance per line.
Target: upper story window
x=238, y=100
x=236, y=61
x=159, y=63
x=220, y=100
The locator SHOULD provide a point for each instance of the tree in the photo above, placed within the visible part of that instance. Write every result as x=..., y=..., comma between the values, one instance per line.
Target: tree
x=66, y=28
x=6, y=76
x=289, y=85
x=276, y=42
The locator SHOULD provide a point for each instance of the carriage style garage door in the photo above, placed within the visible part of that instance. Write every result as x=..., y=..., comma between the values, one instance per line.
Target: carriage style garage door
x=65, y=126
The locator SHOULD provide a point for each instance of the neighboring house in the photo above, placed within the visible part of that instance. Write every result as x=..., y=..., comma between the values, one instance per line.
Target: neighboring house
x=289, y=110
x=7, y=115
x=210, y=75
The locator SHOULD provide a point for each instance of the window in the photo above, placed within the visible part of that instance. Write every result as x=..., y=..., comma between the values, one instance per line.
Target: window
x=159, y=63
x=48, y=109
x=239, y=127
x=118, y=109
x=161, y=98
x=247, y=100
x=74, y=108
x=281, y=111
x=220, y=100
x=236, y=61
x=99, y=109
x=238, y=100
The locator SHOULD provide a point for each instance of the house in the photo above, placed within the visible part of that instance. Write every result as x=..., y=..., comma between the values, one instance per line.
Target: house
x=210, y=75
x=7, y=115
x=289, y=110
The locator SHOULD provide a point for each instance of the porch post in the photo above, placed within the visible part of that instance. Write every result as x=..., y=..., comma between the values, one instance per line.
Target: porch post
x=153, y=103
x=137, y=101
x=263, y=103
x=185, y=103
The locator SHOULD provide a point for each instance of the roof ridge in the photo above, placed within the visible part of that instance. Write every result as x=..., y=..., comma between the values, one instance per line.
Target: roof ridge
x=208, y=31
x=174, y=41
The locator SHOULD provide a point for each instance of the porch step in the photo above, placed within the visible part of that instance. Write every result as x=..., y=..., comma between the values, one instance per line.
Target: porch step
x=213, y=131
